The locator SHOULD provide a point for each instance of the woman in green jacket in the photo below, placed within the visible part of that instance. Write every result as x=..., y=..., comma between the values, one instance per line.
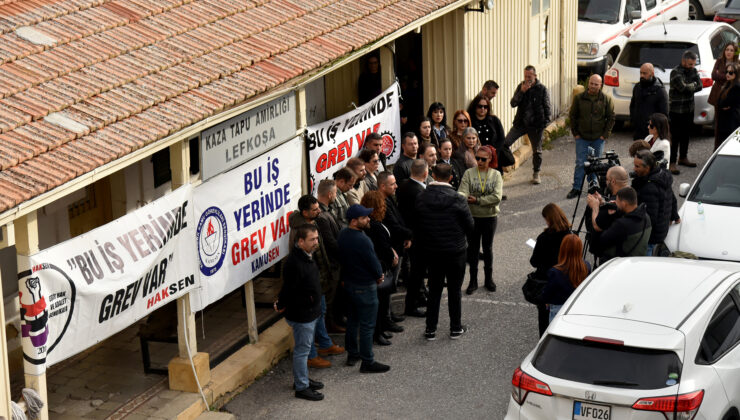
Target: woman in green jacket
x=482, y=187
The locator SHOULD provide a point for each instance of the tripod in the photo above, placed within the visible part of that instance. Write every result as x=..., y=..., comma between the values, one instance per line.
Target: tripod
x=587, y=237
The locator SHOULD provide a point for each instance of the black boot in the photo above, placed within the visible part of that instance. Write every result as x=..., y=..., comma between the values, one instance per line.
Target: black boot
x=473, y=285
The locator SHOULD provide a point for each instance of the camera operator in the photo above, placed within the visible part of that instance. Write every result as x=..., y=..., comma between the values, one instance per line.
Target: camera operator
x=628, y=234
x=616, y=179
x=653, y=186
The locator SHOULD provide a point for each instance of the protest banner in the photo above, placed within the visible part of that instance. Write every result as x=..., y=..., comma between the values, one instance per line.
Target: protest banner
x=242, y=220
x=84, y=290
x=333, y=142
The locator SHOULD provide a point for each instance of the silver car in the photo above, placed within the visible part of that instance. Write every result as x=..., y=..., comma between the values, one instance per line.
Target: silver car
x=662, y=45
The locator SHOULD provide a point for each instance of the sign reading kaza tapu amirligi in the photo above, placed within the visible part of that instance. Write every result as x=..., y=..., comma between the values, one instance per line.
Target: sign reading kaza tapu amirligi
x=241, y=138
x=241, y=220
x=81, y=291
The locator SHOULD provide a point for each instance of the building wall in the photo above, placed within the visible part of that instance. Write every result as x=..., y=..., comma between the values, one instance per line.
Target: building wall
x=340, y=87
x=443, y=61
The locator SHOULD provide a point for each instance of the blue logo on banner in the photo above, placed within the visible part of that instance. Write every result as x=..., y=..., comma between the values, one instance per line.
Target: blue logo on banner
x=212, y=240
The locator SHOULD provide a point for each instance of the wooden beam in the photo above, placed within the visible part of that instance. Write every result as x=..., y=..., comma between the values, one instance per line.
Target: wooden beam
x=27, y=244
x=251, y=312
x=180, y=167
x=5, y=397
x=387, y=66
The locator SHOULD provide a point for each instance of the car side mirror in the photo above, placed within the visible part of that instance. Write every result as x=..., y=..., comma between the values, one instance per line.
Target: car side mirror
x=683, y=189
x=635, y=14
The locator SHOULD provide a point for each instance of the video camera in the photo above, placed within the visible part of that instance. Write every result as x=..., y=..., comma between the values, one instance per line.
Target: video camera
x=599, y=166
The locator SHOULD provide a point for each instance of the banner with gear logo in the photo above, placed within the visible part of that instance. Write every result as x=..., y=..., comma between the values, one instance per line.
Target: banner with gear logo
x=81, y=291
x=331, y=143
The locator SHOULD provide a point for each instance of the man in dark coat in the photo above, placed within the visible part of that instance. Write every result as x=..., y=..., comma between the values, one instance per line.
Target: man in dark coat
x=445, y=156
x=533, y=113
x=653, y=186
x=374, y=142
x=685, y=82
x=300, y=300
x=410, y=149
x=407, y=194
x=400, y=233
x=443, y=238
x=628, y=235
x=648, y=98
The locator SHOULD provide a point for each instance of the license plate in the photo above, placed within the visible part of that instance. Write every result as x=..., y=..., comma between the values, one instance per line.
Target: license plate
x=587, y=411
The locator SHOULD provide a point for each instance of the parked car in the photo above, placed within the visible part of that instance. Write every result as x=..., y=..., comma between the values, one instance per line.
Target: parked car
x=730, y=14
x=663, y=45
x=605, y=25
x=709, y=227
x=642, y=338
x=702, y=9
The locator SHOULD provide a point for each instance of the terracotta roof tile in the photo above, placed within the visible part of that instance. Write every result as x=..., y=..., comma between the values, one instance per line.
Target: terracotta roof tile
x=130, y=72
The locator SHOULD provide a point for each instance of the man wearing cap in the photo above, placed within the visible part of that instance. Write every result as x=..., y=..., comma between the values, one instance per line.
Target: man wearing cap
x=360, y=275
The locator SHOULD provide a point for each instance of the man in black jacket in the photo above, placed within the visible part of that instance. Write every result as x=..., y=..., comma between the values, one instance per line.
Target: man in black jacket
x=648, y=98
x=446, y=224
x=628, y=235
x=374, y=142
x=300, y=300
x=407, y=194
x=400, y=233
x=445, y=156
x=410, y=149
x=533, y=113
x=653, y=186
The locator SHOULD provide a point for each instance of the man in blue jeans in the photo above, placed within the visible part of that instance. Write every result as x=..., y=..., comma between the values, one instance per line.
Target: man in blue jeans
x=591, y=121
x=300, y=300
x=360, y=275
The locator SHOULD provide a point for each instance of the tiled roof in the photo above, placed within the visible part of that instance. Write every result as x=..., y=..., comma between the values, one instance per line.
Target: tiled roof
x=84, y=82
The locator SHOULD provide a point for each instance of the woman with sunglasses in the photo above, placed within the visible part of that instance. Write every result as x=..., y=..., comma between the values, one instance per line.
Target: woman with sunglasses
x=438, y=116
x=482, y=187
x=465, y=151
x=728, y=105
x=659, y=136
x=460, y=121
x=490, y=130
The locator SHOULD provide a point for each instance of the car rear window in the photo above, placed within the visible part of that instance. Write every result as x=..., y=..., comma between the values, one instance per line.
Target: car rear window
x=607, y=364
x=720, y=184
x=663, y=55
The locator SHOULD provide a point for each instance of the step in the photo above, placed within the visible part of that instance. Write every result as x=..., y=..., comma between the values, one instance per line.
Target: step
x=214, y=415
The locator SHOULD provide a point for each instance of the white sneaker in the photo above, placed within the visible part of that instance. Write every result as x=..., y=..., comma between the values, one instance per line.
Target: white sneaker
x=536, y=178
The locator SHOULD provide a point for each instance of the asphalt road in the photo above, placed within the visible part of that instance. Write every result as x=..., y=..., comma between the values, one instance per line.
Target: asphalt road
x=470, y=377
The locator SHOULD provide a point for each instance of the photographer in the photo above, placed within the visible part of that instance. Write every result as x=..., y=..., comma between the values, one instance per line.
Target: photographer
x=616, y=179
x=653, y=186
x=628, y=234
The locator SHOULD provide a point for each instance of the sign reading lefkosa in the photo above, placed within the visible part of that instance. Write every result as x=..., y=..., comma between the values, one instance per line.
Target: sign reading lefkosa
x=333, y=142
x=88, y=288
x=241, y=138
x=241, y=220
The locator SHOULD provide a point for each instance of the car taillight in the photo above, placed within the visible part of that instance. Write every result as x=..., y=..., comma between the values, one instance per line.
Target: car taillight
x=611, y=78
x=523, y=384
x=718, y=18
x=706, y=79
x=685, y=405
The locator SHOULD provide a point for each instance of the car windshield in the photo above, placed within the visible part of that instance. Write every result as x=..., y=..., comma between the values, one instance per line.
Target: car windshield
x=733, y=3
x=720, y=183
x=603, y=11
x=628, y=367
x=663, y=55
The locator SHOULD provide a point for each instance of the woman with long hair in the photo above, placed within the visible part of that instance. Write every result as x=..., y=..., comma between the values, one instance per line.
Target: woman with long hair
x=438, y=116
x=546, y=252
x=465, y=151
x=566, y=275
x=728, y=106
x=482, y=186
x=489, y=127
x=719, y=76
x=381, y=237
x=425, y=130
x=659, y=136
x=460, y=121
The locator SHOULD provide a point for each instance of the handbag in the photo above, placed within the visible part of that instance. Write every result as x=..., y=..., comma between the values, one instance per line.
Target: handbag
x=532, y=288
x=505, y=157
x=390, y=277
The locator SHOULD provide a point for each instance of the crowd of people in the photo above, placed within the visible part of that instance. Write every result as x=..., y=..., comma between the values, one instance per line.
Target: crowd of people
x=434, y=213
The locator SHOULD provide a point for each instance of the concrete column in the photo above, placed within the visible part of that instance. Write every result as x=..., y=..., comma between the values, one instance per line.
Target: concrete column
x=118, y=194
x=5, y=380
x=387, y=66
x=251, y=312
x=301, y=123
x=180, y=371
x=27, y=244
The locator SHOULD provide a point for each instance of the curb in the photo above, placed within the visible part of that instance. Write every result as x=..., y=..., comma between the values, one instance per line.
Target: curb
x=524, y=151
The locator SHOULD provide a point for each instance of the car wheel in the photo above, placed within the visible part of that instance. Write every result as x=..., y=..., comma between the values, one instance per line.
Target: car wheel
x=608, y=62
x=695, y=10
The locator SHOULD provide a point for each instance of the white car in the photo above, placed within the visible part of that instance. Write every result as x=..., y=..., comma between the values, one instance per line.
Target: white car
x=642, y=338
x=701, y=9
x=713, y=232
x=663, y=46
x=605, y=25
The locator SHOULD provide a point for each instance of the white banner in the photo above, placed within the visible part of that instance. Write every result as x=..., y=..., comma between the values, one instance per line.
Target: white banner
x=333, y=142
x=88, y=288
x=242, y=220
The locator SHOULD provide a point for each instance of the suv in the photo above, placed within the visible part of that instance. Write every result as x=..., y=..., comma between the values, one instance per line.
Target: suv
x=662, y=45
x=641, y=338
x=604, y=26
x=712, y=232
x=701, y=9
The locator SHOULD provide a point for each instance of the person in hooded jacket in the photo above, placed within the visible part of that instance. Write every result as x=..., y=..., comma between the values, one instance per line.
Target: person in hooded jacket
x=447, y=224
x=648, y=97
x=653, y=186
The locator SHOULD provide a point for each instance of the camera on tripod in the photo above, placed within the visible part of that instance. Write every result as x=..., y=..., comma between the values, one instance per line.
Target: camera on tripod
x=599, y=166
